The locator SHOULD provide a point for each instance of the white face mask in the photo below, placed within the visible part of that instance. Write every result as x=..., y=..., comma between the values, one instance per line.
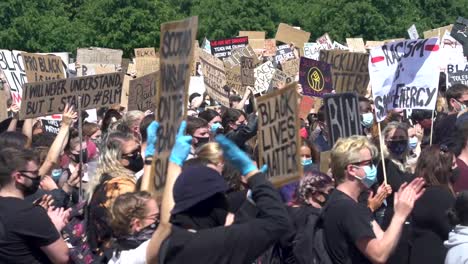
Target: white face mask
x=462, y=106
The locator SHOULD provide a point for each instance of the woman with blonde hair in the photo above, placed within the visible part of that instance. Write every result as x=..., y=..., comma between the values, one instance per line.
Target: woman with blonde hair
x=213, y=153
x=119, y=160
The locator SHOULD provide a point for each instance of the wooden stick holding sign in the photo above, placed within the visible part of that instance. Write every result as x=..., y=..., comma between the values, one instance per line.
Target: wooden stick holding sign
x=381, y=140
x=176, y=54
x=278, y=135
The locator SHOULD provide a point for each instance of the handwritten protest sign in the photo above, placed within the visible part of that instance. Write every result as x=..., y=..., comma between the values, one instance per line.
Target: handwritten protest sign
x=3, y=103
x=279, y=80
x=40, y=68
x=342, y=116
x=247, y=72
x=325, y=42
x=291, y=67
x=263, y=75
x=237, y=54
x=270, y=47
x=50, y=97
x=307, y=103
x=349, y=70
x=11, y=63
x=437, y=32
x=413, y=32
x=98, y=56
x=278, y=135
x=215, y=78
x=93, y=69
x=457, y=73
x=284, y=53
x=176, y=55
x=405, y=75
x=356, y=44
x=51, y=126
x=315, y=77
x=288, y=34
x=370, y=44
x=146, y=61
x=312, y=50
x=256, y=39
x=339, y=46
x=142, y=92
x=65, y=56
x=451, y=52
x=222, y=48
x=233, y=79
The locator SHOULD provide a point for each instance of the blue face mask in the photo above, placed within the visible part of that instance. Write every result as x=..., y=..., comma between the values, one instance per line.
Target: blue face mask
x=371, y=176
x=306, y=162
x=367, y=120
x=413, y=142
x=56, y=174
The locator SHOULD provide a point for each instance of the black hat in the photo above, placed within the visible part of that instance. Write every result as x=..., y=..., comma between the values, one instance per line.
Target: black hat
x=195, y=184
x=193, y=96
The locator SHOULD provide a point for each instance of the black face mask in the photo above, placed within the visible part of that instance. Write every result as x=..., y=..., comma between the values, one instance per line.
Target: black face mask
x=201, y=141
x=76, y=157
x=135, y=162
x=31, y=189
x=397, y=147
x=322, y=203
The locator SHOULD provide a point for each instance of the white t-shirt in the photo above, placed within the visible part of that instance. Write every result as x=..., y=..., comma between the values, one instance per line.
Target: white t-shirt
x=132, y=256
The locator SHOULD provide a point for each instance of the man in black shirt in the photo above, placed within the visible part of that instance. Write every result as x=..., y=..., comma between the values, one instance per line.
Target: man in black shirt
x=351, y=234
x=27, y=234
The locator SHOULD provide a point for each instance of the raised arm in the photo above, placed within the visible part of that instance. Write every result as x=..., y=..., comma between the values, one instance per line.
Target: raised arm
x=245, y=97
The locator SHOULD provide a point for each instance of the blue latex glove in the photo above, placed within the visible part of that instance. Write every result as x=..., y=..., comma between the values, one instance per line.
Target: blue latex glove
x=215, y=127
x=151, y=139
x=235, y=155
x=264, y=169
x=182, y=146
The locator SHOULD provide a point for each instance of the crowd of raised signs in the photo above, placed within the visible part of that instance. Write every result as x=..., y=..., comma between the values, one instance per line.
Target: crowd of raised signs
x=238, y=151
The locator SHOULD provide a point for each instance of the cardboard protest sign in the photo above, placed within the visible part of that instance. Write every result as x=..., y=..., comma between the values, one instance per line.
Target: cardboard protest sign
x=142, y=92
x=342, y=116
x=215, y=78
x=263, y=75
x=3, y=103
x=315, y=77
x=278, y=135
x=451, y=52
x=349, y=70
x=460, y=33
x=457, y=73
x=125, y=91
x=413, y=32
x=99, y=56
x=270, y=47
x=11, y=63
x=279, y=80
x=64, y=56
x=307, y=103
x=247, y=72
x=146, y=61
x=284, y=53
x=176, y=55
x=256, y=39
x=325, y=42
x=93, y=69
x=206, y=45
x=312, y=50
x=40, y=68
x=291, y=67
x=370, y=44
x=237, y=54
x=233, y=79
x=50, y=97
x=356, y=45
x=222, y=48
x=404, y=75
x=437, y=32
x=289, y=34
x=339, y=46
x=51, y=126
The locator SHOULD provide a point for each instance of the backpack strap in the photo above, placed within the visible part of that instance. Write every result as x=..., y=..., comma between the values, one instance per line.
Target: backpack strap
x=163, y=250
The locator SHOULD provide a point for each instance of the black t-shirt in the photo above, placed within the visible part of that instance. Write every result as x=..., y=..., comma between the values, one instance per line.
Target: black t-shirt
x=345, y=222
x=24, y=229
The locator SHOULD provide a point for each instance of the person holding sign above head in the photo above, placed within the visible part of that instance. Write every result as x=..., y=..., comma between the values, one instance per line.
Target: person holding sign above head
x=351, y=235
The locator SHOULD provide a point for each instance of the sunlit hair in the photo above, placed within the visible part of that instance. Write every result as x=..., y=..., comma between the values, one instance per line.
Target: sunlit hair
x=385, y=134
x=347, y=151
x=133, y=118
x=109, y=159
x=211, y=152
x=127, y=207
x=90, y=128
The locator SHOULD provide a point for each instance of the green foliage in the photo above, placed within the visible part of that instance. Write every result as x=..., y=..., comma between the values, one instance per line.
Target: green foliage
x=64, y=25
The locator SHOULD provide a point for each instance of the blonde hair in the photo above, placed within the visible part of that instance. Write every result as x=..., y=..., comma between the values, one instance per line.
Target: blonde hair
x=386, y=131
x=127, y=207
x=212, y=152
x=347, y=151
x=133, y=118
x=109, y=160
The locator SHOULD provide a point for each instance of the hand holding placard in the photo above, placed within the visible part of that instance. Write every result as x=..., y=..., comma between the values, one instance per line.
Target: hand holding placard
x=236, y=156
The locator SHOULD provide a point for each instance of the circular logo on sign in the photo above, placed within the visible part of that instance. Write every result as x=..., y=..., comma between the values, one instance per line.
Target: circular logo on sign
x=315, y=79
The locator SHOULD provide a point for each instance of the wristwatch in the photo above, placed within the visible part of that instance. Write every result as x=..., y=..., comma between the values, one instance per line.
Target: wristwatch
x=148, y=161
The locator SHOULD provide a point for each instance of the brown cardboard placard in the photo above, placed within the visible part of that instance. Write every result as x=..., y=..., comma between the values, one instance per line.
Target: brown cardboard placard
x=214, y=76
x=279, y=111
x=307, y=103
x=233, y=79
x=146, y=61
x=263, y=75
x=98, y=56
x=370, y=44
x=280, y=79
x=291, y=67
x=325, y=161
x=50, y=97
x=270, y=48
x=125, y=91
x=237, y=54
x=350, y=70
x=289, y=34
x=41, y=68
x=3, y=103
x=256, y=38
x=437, y=32
x=93, y=69
x=356, y=45
x=176, y=55
x=247, y=72
x=142, y=92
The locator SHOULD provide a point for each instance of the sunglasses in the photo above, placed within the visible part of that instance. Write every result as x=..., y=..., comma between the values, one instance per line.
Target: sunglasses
x=370, y=162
